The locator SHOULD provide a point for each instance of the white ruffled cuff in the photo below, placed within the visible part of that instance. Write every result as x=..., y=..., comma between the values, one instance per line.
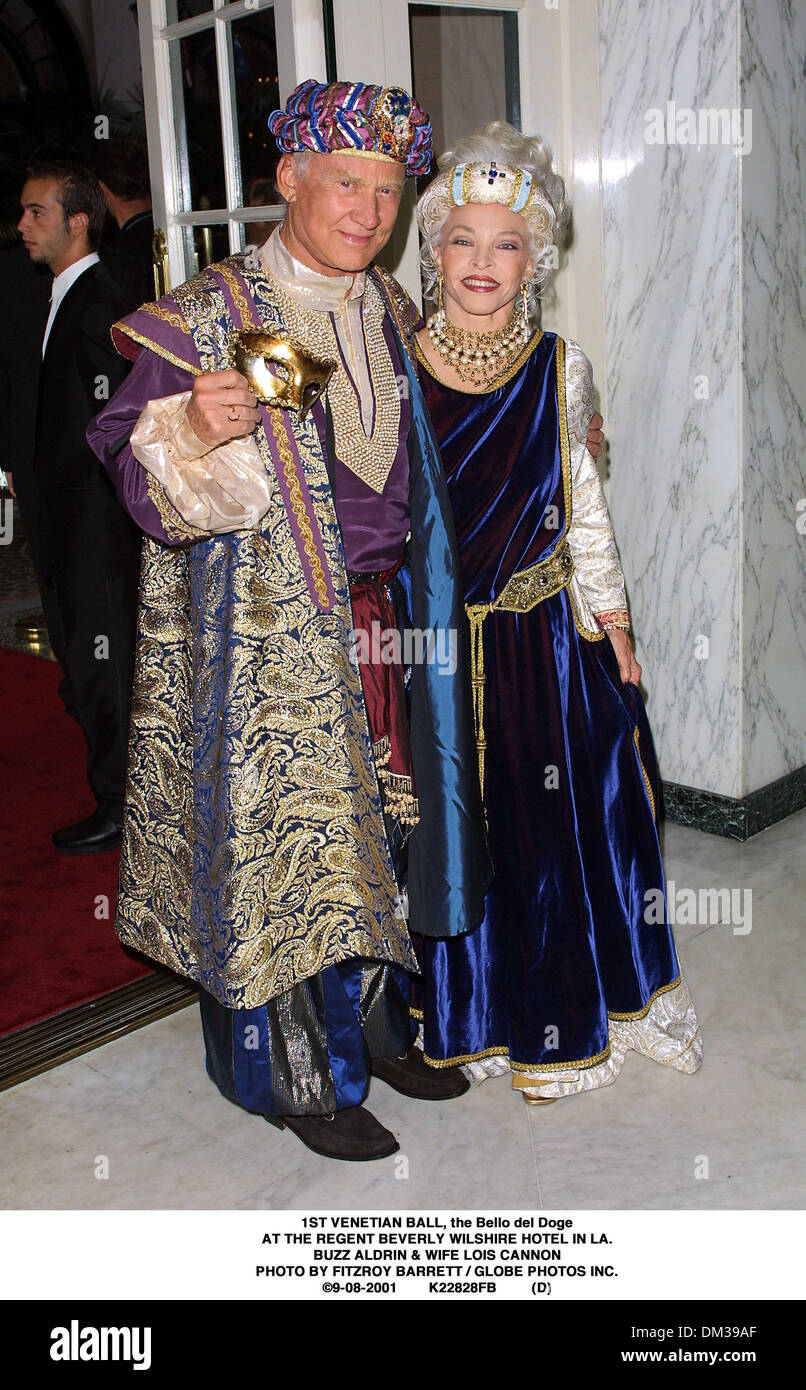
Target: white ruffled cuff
x=221, y=489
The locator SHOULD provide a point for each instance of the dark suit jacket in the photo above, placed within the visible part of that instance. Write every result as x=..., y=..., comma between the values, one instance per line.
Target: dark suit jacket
x=88, y=548
x=84, y=535
x=24, y=303
x=81, y=370
x=135, y=238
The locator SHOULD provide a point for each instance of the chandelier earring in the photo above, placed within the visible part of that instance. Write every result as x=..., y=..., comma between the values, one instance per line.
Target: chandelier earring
x=440, y=305
x=525, y=309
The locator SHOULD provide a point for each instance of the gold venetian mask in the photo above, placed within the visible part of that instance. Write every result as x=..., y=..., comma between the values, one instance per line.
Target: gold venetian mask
x=297, y=381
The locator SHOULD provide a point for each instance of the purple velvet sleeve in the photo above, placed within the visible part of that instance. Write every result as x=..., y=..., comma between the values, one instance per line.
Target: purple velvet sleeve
x=108, y=436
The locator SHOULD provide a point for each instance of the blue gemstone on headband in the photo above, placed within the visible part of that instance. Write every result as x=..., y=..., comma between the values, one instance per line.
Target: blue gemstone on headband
x=494, y=172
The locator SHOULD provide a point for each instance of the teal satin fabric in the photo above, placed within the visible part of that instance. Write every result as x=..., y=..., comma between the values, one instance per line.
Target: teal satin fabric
x=449, y=869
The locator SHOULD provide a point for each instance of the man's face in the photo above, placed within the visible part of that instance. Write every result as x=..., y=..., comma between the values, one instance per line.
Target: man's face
x=47, y=240
x=341, y=209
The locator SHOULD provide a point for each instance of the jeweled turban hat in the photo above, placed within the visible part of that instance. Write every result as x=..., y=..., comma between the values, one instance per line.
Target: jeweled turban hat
x=356, y=118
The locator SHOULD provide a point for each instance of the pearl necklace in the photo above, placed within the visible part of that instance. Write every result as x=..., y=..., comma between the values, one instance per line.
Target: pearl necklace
x=477, y=357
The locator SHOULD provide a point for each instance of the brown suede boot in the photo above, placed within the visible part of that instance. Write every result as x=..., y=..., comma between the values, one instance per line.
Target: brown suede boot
x=354, y=1135
x=412, y=1076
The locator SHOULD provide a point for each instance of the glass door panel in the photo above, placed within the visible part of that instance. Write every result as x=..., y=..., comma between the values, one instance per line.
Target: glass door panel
x=464, y=62
x=177, y=10
x=256, y=86
x=197, y=119
x=465, y=71
x=464, y=67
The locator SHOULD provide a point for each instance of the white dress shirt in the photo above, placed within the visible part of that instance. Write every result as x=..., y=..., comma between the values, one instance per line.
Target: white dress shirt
x=61, y=284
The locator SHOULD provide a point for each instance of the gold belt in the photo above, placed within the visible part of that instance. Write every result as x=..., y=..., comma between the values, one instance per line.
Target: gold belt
x=522, y=592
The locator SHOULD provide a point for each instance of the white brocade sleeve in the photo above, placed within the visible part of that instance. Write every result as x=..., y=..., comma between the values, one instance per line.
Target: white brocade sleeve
x=226, y=488
x=597, y=587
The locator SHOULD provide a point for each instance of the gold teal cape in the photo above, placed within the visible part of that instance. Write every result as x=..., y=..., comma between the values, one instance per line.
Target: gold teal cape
x=254, y=849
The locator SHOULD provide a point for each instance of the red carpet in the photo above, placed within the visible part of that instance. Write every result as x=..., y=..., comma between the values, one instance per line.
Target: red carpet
x=55, y=951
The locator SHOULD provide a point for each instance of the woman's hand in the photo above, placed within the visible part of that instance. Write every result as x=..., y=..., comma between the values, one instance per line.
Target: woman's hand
x=595, y=441
x=629, y=670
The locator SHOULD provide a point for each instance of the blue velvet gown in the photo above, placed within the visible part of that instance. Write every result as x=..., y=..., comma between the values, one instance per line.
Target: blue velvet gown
x=569, y=792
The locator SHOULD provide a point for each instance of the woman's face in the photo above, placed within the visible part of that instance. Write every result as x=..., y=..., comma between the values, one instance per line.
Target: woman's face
x=484, y=258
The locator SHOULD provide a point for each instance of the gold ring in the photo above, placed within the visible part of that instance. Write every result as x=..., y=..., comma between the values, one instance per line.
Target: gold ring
x=236, y=416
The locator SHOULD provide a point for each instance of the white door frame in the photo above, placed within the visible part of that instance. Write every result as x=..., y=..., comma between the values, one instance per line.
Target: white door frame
x=299, y=30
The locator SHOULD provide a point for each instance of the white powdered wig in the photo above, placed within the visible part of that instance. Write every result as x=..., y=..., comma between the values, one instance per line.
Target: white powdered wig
x=544, y=215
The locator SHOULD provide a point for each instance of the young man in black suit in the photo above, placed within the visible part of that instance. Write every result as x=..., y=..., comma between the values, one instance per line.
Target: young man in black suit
x=121, y=167
x=89, y=550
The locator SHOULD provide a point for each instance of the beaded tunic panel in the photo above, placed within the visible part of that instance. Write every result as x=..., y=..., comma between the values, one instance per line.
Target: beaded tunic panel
x=369, y=453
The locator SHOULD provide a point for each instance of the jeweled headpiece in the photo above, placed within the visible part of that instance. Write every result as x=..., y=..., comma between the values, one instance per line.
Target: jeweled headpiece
x=355, y=118
x=489, y=182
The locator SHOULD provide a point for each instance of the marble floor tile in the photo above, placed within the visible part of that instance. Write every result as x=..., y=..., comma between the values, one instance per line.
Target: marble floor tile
x=62, y=1128
x=731, y=1136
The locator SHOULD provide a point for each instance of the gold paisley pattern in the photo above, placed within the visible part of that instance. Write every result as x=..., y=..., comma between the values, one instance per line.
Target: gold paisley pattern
x=254, y=850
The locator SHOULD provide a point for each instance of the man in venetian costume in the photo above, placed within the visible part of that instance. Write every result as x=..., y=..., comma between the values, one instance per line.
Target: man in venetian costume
x=281, y=806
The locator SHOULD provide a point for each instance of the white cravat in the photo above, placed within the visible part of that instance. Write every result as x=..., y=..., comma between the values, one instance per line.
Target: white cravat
x=61, y=284
x=340, y=295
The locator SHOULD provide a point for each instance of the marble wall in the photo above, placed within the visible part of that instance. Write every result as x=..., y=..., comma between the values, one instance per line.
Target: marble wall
x=773, y=57
x=704, y=413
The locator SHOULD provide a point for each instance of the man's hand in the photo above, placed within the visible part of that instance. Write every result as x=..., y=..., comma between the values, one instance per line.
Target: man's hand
x=10, y=482
x=221, y=408
x=595, y=436
x=629, y=670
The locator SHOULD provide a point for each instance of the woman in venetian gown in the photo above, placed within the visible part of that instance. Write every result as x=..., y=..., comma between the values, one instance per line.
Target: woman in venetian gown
x=574, y=963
